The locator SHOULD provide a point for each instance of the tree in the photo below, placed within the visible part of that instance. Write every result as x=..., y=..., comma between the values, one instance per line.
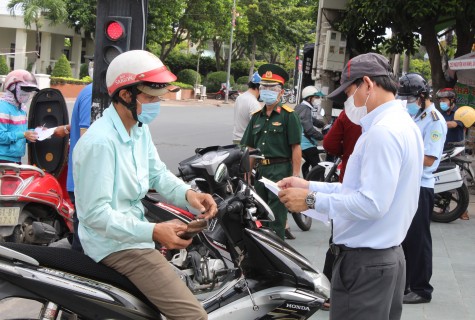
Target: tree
x=4, y=69
x=35, y=11
x=412, y=22
x=82, y=15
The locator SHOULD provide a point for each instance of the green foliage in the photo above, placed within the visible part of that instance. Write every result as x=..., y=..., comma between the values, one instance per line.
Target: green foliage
x=189, y=76
x=178, y=61
x=240, y=68
x=84, y=70
x=4, y=69
x=214, y=80
x=421, y=66
x=182, y=85
x=62, y=68
x=69, y=80
x=242, y=80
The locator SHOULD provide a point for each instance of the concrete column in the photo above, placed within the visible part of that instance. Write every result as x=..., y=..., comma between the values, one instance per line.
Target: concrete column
x=20, y=48
x=45, y=56
x=76, y=55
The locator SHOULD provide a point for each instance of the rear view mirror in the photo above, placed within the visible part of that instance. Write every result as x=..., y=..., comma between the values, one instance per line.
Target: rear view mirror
x=221, y=173
x=245, y=166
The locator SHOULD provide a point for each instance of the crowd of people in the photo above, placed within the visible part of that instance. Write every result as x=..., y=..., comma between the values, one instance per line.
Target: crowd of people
x=390, y=137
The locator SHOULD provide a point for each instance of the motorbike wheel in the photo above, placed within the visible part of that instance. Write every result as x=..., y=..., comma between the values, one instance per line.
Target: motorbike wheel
x=234, y=96
x=292, y=99
x=218, y=97
x=16, y=236
x=450, y=205
x=283, y=99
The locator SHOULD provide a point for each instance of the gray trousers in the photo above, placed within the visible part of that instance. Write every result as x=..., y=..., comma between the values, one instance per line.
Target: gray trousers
x=152, y=274
x=368, y=284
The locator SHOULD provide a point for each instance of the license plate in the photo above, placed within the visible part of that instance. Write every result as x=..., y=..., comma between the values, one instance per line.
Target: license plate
x=9, y=216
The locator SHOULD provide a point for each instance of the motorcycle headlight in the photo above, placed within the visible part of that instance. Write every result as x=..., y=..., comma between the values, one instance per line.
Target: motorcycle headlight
x=321, y=283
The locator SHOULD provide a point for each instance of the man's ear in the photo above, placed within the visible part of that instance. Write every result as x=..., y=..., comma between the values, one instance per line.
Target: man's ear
x=125, y=95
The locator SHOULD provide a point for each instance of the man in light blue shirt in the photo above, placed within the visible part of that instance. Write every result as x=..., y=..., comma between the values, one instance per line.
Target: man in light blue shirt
x=373, y=208
x=115, y=164
x=418, y=243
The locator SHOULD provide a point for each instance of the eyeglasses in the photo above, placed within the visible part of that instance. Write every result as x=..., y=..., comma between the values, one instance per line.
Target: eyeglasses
x=274, y=87
x=29, y=89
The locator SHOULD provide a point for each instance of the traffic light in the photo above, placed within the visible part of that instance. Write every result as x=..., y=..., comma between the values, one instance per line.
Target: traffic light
x=117, y=37
x=120, y=26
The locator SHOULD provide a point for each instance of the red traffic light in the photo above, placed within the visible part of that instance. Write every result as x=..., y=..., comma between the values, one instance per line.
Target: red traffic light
x=115, y=30
x=297, y=57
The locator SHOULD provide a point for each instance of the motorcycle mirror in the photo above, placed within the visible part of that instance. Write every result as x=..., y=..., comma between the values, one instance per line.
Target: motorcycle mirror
x=221, y=173
x=322, y=112
x=245, y=165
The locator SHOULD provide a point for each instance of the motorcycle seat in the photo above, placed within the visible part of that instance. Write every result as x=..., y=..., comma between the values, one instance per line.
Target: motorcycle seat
x=78, y=264
x=444, y=166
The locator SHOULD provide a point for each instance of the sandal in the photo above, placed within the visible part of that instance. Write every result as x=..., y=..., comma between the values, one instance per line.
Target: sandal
x=464, y=216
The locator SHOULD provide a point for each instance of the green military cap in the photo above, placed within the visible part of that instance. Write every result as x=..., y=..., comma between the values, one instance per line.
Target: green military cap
x=272, y=73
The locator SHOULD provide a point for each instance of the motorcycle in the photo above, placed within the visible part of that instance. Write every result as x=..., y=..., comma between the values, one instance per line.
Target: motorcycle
x=451, y=194
x=272, y=279
x=34, y=205
x=289, y=96
x=221, y=94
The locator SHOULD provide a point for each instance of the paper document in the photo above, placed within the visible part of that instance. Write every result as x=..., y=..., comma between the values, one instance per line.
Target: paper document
x=271, y=185
x=44, y=133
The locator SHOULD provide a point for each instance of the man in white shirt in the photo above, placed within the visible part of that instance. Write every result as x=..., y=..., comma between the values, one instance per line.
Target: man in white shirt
x=246, y=104
x=373, y=208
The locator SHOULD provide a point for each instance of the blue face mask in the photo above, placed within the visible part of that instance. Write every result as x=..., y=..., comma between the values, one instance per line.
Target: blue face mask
x=149, y=112
x=268, y=96
x=444, y=106
x=412, y=108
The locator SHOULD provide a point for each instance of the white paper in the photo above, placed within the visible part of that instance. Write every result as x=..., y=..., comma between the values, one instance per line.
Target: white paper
x=44, y=133
x=271, y=185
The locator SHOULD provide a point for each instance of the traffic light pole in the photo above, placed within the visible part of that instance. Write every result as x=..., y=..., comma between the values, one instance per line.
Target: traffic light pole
x=228, y=76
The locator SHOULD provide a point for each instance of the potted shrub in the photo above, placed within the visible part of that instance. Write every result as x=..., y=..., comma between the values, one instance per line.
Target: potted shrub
x=62, y=79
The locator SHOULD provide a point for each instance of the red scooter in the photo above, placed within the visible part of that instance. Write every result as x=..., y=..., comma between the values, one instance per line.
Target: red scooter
x=34, y=205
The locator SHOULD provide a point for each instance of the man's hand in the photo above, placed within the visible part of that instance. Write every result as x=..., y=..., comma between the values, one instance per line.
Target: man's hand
x=62, y=131
x=293, y=182
x=30, y=136
x=294, y=198
x=204, y=202
x=167, y=234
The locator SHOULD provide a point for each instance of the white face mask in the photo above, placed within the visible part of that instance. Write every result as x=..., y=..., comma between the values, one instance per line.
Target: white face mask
x=353, y=112
x=316, y=103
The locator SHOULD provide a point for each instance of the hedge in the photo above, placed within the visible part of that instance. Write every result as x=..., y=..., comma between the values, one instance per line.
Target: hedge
x=215, y=79
x=69, y=80
x=189, y=76
x=4, y=69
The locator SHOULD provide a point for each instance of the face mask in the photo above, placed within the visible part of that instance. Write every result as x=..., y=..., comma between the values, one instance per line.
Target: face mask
x=316, y=103
x=355, y=113
x=268, y=96
x=444, y=106
x=149, y=112
x=413, y=108
x=23, y=96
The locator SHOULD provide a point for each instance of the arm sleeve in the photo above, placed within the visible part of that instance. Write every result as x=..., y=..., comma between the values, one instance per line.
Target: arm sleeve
x=94, y=198
x=247, y=138
x=7, y=136
x=306, y=120
x=333, y=140
x=164, y=181
x=85, y=111
x=432, y=137
x=380, y=166
x=294, y=129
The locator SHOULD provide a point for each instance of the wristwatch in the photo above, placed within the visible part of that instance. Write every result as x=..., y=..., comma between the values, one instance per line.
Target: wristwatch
x=310, y=200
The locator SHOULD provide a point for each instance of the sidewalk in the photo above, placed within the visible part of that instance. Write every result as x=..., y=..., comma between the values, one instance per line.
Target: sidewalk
x=453, y=276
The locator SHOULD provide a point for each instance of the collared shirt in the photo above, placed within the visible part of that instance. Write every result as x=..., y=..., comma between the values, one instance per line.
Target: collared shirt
x=434, y=129
x=246, y=104
x=453, y=134
x=112, y=172
x=275, y=134
x=379, y=196
x=80, y=119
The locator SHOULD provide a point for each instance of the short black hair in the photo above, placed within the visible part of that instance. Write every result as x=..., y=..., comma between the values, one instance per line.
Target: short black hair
x=253, y=85
x=385, y=82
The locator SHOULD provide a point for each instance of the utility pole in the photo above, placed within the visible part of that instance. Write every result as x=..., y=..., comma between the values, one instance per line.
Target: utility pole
x=226, y=97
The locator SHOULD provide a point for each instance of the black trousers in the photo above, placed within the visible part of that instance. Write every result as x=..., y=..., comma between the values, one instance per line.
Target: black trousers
x=76, y=244
x=417, y=247
x=311, y=158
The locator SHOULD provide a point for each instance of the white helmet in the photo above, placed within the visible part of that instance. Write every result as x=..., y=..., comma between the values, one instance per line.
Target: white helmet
x=311, y=91
x=141, y=68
